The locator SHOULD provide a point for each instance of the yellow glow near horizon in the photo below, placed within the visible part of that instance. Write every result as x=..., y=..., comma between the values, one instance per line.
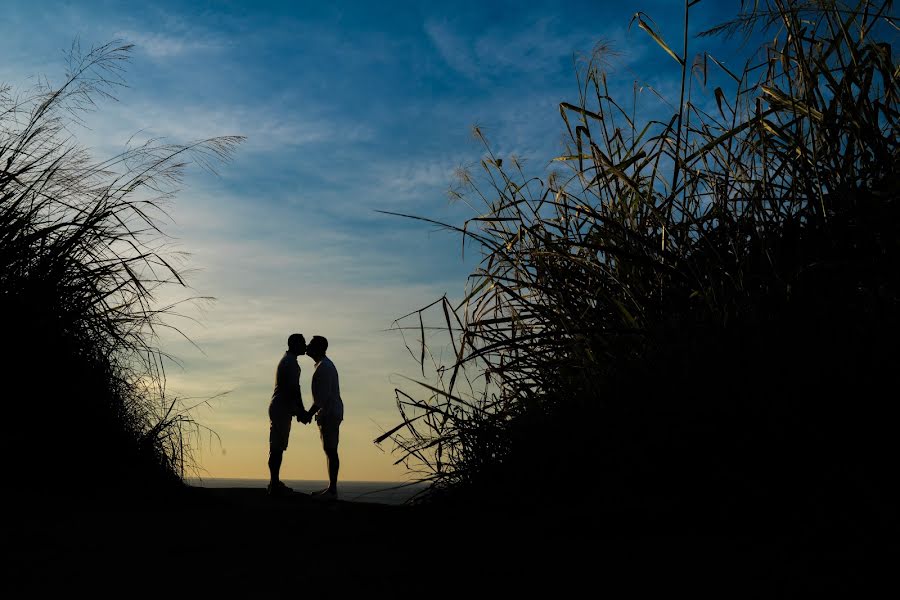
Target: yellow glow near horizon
x=244, y=452
x=243, y=336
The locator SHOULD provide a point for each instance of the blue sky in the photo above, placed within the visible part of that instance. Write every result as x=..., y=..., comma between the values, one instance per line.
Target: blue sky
x=348, y=108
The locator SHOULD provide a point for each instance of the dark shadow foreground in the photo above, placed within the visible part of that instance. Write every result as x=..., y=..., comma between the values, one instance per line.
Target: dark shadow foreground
x=211, y=539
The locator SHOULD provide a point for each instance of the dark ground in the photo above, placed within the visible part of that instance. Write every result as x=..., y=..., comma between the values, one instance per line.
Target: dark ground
x=237, y=539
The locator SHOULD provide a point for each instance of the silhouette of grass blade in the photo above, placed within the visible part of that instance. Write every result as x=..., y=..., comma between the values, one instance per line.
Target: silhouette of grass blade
x=679, y=306
x=82, y=260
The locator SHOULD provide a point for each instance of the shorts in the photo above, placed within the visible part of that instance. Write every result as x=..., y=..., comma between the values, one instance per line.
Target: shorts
x=328, y=431
x=279, y=427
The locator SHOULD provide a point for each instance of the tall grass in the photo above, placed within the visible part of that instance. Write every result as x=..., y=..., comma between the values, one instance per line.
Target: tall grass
x=83, y=258
x=696, y=313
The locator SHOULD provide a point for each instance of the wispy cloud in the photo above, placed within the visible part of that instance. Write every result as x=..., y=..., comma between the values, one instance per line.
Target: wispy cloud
x=267, y=128
x=456, y=51
x=162, y=46
x=535, y=47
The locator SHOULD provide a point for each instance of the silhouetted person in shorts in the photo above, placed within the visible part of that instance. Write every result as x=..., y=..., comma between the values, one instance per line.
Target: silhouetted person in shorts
x=287, y=402
x=328, y=409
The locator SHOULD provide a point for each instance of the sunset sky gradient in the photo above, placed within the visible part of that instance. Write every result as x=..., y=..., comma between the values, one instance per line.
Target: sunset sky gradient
x=348, y=108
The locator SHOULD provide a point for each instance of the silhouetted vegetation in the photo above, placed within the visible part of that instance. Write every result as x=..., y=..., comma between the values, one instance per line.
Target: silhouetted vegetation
x=82, y=260
x=699, y=317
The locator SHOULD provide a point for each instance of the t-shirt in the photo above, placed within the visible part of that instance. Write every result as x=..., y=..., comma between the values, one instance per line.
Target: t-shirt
x=326, y=391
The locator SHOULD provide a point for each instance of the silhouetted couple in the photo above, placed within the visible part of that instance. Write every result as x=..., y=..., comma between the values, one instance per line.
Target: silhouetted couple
x=287, y=403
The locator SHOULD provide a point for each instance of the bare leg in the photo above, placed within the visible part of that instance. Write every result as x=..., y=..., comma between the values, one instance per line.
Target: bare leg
x=334, y=464
x=275, y=456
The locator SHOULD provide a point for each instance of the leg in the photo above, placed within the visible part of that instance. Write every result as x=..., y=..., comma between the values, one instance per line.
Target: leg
x=334, y=464
x=329, y=434
x=275, y=456
x=279, y=434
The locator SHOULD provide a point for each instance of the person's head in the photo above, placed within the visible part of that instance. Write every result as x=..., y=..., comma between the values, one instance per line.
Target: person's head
x=297, y=344
x=317, y=347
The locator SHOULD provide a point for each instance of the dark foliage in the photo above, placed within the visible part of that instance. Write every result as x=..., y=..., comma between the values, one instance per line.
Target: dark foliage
x=700, y=318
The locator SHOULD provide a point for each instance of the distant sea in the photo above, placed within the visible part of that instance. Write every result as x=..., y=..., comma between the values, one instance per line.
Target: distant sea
x=382, y=492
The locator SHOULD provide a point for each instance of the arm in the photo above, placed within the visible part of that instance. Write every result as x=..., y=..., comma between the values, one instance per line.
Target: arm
x=290, y=377
x=319, y=392
x=302, y=415
x=301, y=410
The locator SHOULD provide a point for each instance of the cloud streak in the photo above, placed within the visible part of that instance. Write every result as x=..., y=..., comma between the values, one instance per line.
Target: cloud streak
x=161, y=46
